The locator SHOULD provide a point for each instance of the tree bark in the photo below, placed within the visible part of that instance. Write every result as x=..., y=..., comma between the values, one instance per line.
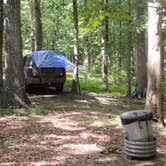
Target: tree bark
x=75, y=82
x=154, y=98
x=38, y=25
x=129, y=55
x=86, y=50
x=1, y=45
x=120, y=53
x=15, y=95
x=55, y=34
x=31, y=5
x=141, y=59
x=86, y=53
x=104, y=49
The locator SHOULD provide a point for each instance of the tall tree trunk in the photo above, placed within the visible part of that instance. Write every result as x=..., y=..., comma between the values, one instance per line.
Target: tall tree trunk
x=38, y=25
x=54, y=43
x=75, y=82
x=104, y=50
x=86, y=53
x=86, y=39
x=120, y=53
x=154, y=98
x=56, y=32
x=1, y=45
x=31, y=5
x=129, y=55
x=141, y=59
x=14, y=80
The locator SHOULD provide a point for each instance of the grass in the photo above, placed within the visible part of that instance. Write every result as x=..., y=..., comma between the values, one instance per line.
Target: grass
x=33, y=110
x=93, y=83
x=161, y=163
x=39, y=110
x=17, y=112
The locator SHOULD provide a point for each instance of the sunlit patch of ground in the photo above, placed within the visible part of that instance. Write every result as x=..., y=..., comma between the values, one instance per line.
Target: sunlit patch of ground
x=70, y=131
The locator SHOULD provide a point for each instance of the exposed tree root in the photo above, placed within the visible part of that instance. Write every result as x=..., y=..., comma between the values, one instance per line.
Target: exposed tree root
x=10, y=100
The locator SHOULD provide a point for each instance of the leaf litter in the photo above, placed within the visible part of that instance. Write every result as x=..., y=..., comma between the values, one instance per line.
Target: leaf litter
x=69, y=136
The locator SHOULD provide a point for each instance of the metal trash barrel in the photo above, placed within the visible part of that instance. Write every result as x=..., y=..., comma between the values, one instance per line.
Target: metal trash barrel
x=139, y=141
x=140, y=149
x=137, y=124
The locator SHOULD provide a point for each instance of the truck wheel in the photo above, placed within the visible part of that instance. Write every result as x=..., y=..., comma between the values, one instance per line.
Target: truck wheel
x=59, y=88
x=28, y=88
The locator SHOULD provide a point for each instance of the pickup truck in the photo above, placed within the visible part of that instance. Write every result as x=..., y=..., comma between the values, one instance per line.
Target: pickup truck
x=43, y=76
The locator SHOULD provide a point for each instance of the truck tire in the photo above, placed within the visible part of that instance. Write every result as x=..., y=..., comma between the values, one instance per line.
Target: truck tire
x=59, y=88
x=28, y=88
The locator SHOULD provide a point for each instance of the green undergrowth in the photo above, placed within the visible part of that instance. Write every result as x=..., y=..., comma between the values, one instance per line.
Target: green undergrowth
x=33, y=110
x=93, y=83
x=17, y=112
x=161, y=161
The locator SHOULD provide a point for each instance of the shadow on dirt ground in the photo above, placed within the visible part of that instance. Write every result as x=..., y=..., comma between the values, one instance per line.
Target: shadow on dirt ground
x=75, y=130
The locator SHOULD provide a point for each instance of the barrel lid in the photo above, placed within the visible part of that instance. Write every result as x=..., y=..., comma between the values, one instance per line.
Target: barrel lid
x=136, y=115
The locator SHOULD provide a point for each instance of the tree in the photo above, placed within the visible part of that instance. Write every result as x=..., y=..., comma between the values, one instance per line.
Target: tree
x=31, y=5
x=120, y=53
x=38, y=25
x=14, y=76
x=154, y=98
x=129, y=55
x=104, y=49
x=1, y=44
x=85, y=38
x=75, y=82
x=141, y=59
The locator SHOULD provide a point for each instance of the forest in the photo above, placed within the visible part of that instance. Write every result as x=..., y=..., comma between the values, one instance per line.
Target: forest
x=117, y=48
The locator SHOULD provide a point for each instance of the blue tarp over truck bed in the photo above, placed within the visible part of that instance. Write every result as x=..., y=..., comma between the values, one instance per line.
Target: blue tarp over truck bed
x=50, y=59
